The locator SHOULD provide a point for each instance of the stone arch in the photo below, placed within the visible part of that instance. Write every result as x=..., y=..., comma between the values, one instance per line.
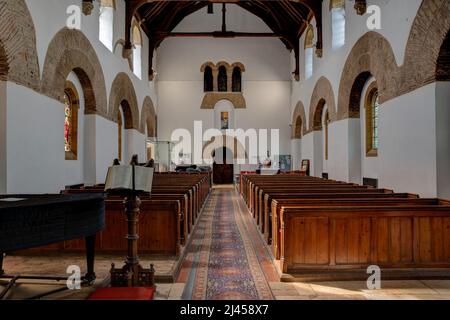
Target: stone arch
x=211, y=99
x=207, y=64
x=239, y=65
x=148, y=118
x=223, y=63
x=299, y=123
x=372, y=54
x=122, y=89
x=69, y=51
x=427, y=35
x=18, y=55
x=322, y=94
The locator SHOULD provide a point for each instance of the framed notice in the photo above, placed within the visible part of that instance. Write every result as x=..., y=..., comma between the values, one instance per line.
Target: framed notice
x=304, y=169
x=285, y=163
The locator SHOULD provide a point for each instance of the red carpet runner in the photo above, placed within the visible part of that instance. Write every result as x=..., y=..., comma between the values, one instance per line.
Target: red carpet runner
x=227, y=259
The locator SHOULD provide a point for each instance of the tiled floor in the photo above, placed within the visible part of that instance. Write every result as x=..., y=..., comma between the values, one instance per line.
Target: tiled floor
x=357, y=290
x=354, y=290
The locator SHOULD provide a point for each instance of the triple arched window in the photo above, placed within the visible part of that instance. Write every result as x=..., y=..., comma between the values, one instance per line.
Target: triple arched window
x=106, y=23
x=71, y=107
x=222, y=77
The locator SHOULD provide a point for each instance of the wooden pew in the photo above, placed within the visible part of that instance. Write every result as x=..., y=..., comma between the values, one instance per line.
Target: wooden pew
x=167, y=215
x=335, y=242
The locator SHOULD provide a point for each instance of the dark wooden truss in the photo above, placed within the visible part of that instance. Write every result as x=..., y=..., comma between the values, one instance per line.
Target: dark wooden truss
x=287, y=19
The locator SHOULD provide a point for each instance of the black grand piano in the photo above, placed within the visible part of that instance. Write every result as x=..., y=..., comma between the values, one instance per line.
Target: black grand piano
x=28, y=221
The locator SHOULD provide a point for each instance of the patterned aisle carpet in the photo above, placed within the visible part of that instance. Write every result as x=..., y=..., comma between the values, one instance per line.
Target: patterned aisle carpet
x=226, y=259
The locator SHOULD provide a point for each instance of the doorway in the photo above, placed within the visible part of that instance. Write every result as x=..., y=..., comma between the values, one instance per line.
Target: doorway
x=223, y=168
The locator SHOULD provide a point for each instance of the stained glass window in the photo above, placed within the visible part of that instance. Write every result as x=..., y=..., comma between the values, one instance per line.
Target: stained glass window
x=67, y=122
x=71, y=106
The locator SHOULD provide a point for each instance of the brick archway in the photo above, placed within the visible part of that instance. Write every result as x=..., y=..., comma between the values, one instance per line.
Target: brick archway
x=122, y=89
x=18, y=55
x=322, y=94
x=148, y=118
x=69, y=51
x=371, y=55
x=299, y=123
x=428, y=33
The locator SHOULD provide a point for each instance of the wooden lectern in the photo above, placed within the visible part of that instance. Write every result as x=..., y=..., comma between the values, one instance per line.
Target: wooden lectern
x=131, y=180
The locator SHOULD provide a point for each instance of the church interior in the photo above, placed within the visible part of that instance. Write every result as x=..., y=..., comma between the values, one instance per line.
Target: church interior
x=124, y=174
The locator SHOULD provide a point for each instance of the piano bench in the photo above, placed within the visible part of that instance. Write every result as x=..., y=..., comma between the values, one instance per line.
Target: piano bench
x=138, y=293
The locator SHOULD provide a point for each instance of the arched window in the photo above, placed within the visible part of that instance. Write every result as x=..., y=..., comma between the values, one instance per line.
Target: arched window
x=137, y=51
x=223, y=79
x=309, y=52
x=106, y=23
x=337, y=8
x=71, y=107
x=372, y=109
x=208, y=79
x=119, y=134
x=326, y=124
x=237, y=79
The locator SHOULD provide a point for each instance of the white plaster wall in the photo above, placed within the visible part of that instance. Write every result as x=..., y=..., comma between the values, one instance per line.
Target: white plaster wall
x=105, y=145
x=443, y=138
x=74, y=169
x=35, y=142
x=308, y=151
x=407, y=153
x=266, y=85
x=406, y=160
x=370, y=165
x=296, y=147
x=34, y=145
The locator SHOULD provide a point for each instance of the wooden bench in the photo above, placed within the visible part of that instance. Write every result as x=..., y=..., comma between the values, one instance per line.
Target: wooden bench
x=406, y=241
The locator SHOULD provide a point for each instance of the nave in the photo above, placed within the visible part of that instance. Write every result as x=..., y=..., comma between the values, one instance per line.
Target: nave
x=226, y=259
